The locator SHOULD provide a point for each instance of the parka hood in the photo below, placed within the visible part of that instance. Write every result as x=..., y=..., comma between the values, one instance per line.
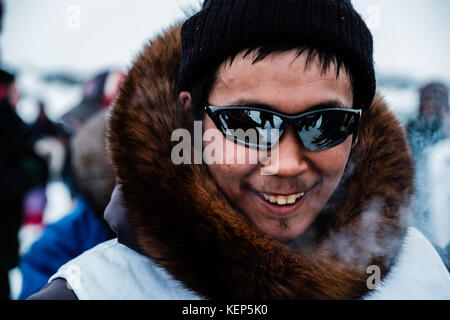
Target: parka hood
x=185, y=224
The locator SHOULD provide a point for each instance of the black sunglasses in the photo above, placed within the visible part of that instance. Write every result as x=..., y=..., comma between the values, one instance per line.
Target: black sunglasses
x=318, y=130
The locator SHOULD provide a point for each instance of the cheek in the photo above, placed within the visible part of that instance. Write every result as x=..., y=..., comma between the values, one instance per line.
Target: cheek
x=229, y=179
x=330, y=166
x=228, y=162
x=331, y=163
x=222, y=151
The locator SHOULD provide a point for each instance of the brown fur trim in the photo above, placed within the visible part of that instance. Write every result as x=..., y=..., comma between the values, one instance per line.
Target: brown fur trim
x=187, y=226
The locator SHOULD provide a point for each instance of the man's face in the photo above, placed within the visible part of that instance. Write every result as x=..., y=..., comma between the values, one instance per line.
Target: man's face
x=283, y=82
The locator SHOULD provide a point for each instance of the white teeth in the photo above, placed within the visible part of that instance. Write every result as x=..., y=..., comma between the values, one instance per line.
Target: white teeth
x=283, y=200
x=291, y=199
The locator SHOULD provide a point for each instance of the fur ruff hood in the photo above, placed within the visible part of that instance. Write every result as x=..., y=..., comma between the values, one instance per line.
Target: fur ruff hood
x=186, y=225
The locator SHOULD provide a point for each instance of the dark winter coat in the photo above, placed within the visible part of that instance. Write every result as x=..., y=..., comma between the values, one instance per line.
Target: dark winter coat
x=20, y=170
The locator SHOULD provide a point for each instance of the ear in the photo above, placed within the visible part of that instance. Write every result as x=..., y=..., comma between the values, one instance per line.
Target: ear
x=185, y=101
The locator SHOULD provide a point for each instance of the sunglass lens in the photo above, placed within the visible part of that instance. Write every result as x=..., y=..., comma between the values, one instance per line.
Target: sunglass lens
x=253, y=128
x=324, y=130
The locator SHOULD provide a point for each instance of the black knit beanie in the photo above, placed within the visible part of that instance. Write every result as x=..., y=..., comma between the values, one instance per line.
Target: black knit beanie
x=225, y=27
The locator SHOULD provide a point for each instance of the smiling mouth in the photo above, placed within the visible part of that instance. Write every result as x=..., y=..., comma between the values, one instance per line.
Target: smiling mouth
x=280, y=205
x=282, y=200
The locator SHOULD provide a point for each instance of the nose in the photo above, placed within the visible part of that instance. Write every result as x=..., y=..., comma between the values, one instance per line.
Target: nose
x=288, y=158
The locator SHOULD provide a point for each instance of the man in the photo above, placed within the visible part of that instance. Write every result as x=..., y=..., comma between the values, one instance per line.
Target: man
x=321, y=214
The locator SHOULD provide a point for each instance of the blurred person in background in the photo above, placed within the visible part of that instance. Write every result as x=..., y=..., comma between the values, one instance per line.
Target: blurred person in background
x=43, y=127
x=98, y=94
x=88, y=173
x=84, y=227
x=428, y=127
x=49, y=142
x=438, y=171
x=21, y=169
x=423, y=133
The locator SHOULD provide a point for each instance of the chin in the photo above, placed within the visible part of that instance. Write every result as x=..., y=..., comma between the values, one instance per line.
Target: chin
x=283, y=233
x=285, y=238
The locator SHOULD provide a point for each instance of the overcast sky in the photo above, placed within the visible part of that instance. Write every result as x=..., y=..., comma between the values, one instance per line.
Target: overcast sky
x=411, y=36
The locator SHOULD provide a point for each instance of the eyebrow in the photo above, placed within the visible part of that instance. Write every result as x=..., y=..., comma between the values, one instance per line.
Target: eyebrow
x=318, y=106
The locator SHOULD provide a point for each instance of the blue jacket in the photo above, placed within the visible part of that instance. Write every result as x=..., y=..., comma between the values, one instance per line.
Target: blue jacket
x=61, y=241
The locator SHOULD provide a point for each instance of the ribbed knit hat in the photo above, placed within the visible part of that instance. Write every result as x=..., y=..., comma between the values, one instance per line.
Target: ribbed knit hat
x=225, y=27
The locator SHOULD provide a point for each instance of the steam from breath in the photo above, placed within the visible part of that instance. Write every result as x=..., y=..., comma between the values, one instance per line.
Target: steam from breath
x=368, y=238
